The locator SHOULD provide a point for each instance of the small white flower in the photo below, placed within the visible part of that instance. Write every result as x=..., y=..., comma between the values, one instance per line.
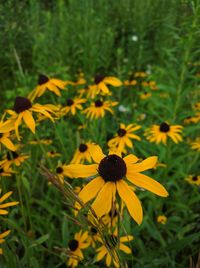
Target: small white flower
x=123, y=109
x=134, y=38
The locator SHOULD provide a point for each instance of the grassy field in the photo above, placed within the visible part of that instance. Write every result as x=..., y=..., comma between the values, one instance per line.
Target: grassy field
x=77, y=76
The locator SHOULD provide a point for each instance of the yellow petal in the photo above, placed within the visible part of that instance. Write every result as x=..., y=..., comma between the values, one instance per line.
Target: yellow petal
x=9, y=204
x=147, y=183
x=8, y=143
x=144, y=165
x=130, y=199
x=81, y=171
x=7, y=126
x=112, y=81
x=96, y=153
x=124, y=248
x=5, y=196
x=130, y=159
x=103, y=202
x=3, y=212
x=29, y=121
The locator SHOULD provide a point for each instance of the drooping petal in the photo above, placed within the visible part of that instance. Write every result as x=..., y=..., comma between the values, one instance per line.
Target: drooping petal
x=96, y=153
x=29, y=121
x=8, y=143
x=130, y=199
x=144, y=165
x=124, y=248
x=147, y=183
x=81, y=171
x=103, y=202
x=5, y=196
x=112, y=81
x=130, y=159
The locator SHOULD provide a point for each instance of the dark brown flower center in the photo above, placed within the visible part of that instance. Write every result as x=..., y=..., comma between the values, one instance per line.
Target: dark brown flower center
x=73, y=244
x=69, y=102
x=93, y=230
x=59, y=170
x=194, y=178
x=1, y=135
x=164, y=127
x=42, y=79
x=98, y=78
x=112, y=168
x=113, y=213
x=98, y=103
x=21, y=104
x=83, y=147
x=1, y=170
x=121, y=132
x=11, y=155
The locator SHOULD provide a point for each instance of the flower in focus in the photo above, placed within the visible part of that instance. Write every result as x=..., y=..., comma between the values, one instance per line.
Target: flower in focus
x=109, y=176
x=23, y=109
x=160, y=133
x=75, y=247
x=6, y=141
x=2, y=240
x=72, y=105
x=113, y=243
x=124, y=136
x=82, y=153
x=193, y=179
x=102, y=81
x=46, y=83
x=161, y=219
x=196, y=144
x=98, y=108
x=3, y=211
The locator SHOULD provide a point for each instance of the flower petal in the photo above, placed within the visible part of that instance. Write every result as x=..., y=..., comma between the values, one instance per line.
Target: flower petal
x=147, y=183
x=130, y=199
x=29, y=121
x=96, y=153
x=103, y=202
x=145, y=164
x=130, y=159
x=81, y=171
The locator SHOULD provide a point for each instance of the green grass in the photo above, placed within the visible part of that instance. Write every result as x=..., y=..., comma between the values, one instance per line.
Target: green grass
x=59, y=38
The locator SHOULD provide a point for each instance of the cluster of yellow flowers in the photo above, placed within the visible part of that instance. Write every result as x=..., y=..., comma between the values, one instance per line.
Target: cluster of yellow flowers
x=112, y=178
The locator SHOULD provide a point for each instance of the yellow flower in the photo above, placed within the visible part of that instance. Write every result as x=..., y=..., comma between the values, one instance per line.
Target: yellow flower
x=124, y=136
x=160, y=133
x=2, y=240
x=193, y=179
x=131, y=82
x=161, y=219
x=75, y=247
x=93, y=236
x=98, y=108
x=6, y=141
x=109, y=176
x=5, y=171
x=196, y=106
x=102, y=81
x=52, y=154
x=140, y=74
x=6, y=205
x=82, y=153
x=72, y=105
x=13, y=158
x=114, y=242
x=45, y=83
x=62, y=172
x=196, y=144
x=145, y=95
x=23, y=110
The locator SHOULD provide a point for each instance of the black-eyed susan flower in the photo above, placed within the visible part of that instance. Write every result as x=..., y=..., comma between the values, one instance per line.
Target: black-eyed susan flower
x=76, y=246
x=45, y=83
x=6, y=141
x=195, y=145
x=160, y=133
x=53, y=154
x=110, y=175
x=3, y=211
x=98, y=109
x=145, y=95
x=140, y=74
x=62, y=172
x=93, y=236
x=11, y=158
x=124, y=136
x=72, y=105
x=131, y=82
x=23, y=110
x=193, y=179
x=5, y=171
x=102, y=81
x=2, y=240
x=82, y=153
x=114, y=243
x=161, y=219
x=111, y=219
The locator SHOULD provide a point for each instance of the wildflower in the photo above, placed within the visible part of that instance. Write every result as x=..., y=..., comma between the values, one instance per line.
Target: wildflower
x=82, y=153
x=102, y=81
x=75, y=246
x=62, y=172
x=114, y=242
x=46, y=83
x=5, y=171
x=2, y=240
x=124, y=136
x=98, y=108
x=6, y=141
x=131, y=82
x=6, y=205
x=161, y=219
x=72, y=105
x=195, y=145
x=160, y=133
x=145, y=95
x=109, y=174
x=52, y=154
x=41, y=141
x=23, y=109
x=140, y=74
x=93, y=236
x=192, y=119
x=13, y=158
x=193, y=179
